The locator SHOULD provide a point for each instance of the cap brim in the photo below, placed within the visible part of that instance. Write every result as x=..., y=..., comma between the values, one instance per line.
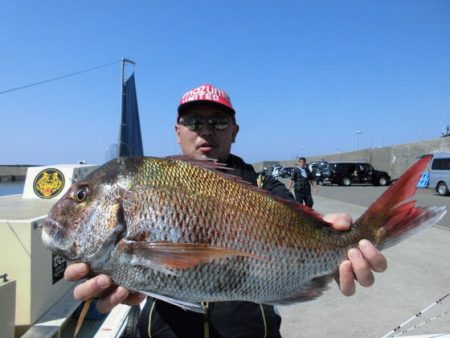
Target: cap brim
x=182, y=107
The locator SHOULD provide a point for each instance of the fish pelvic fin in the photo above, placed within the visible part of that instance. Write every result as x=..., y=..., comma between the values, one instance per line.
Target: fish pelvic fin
x=164, y=256
x=392, y=218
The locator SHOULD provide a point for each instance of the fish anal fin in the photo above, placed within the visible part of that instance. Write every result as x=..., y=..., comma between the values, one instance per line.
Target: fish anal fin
x=169, y=255
x=185, y=305
x=309, y=291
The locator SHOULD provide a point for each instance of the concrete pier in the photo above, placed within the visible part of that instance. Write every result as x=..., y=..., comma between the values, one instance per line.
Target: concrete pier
x=13, y=172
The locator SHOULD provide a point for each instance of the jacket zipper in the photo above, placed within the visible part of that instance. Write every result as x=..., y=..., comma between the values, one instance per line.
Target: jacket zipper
x=205, y=306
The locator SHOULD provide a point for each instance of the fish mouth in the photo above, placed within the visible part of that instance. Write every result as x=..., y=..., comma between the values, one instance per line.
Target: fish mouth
x=54, y=238
x=51, y=224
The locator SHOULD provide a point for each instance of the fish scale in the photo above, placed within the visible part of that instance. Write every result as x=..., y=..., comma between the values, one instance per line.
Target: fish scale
x=187, y=230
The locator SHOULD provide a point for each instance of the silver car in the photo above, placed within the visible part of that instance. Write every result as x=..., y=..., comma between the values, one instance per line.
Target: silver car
x=440, y=173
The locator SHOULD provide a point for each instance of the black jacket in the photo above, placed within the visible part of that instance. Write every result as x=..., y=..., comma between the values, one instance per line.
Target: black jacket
x=302, y=183
x=222, y=319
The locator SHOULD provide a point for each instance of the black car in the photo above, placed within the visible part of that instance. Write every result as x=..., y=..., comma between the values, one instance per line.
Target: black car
x=346, y=173
x=321, y=172
x=286, y=172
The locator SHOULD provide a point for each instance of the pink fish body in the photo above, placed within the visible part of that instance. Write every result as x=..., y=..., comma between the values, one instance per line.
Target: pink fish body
x=185, y=231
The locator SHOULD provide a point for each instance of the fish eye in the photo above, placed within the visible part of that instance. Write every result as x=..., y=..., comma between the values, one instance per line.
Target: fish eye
x=81, y=194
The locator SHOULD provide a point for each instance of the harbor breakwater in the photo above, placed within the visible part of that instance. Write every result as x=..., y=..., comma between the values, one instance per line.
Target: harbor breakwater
x=393, y=159
x=13, y=173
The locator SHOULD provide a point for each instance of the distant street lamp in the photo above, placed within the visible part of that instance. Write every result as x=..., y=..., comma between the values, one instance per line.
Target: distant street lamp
x=358, y=132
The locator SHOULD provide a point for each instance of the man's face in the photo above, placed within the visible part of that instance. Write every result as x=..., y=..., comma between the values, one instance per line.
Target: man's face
x=301, y=163
x=206, y=141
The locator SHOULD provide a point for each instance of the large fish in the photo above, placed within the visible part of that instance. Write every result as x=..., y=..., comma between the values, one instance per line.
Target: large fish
x=186, y=232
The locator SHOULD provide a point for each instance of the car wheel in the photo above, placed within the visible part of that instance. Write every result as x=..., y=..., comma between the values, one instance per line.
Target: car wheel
x=346, y=181
x=383, y=181
x=442, y=189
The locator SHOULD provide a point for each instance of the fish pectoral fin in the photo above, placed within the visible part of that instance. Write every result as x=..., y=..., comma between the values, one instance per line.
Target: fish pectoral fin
x=190, y=306
x=168, y=255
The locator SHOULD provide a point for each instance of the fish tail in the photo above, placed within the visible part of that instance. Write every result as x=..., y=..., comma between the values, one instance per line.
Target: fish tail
x=392, y=218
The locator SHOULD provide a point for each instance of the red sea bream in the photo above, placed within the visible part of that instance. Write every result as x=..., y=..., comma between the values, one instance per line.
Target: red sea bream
x=186, y=231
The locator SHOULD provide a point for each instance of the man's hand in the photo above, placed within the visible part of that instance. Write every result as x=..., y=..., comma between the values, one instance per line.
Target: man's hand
x=101, y=286
x=360, y=263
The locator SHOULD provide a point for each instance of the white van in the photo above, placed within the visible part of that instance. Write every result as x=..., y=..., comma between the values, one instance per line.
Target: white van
x=440, y=173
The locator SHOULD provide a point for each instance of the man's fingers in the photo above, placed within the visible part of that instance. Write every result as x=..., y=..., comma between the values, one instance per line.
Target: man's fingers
x=346, y=278
x=76, y=271
x=92, y=287
x=375, y=259
x=340, y=222
x=361, y=268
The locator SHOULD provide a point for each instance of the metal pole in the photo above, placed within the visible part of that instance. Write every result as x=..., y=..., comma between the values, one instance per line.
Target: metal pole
x=124, y=60
x=122, y=74
x=358, y=132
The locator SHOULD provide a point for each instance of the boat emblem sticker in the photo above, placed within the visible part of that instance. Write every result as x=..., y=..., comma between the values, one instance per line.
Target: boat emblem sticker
x=48, y=183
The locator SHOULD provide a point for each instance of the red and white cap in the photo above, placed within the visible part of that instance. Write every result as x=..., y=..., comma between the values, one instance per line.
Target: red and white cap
x=206, y=94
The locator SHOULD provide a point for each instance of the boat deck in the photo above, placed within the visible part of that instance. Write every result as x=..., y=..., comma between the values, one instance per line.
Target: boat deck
x=17, y=208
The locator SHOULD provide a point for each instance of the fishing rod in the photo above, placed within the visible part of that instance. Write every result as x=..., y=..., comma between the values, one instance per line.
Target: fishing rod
x=423, y=323
x=395, y=332
x=60, y=77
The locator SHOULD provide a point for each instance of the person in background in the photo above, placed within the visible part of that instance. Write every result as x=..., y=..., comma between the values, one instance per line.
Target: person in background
x=206, y=128
x=261, y=179
x=303, y=180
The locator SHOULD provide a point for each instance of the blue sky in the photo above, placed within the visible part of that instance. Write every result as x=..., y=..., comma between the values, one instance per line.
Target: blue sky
x=303, y=76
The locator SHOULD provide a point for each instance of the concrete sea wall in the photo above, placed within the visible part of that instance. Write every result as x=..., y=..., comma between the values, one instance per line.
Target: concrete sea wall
x=393, y=159
x=13, y=172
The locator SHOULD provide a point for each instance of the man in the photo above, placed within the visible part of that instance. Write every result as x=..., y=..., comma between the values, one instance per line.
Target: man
x=302, y=180
x=206, y=128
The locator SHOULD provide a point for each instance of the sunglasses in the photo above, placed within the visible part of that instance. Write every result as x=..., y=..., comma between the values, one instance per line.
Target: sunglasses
x=195, y=123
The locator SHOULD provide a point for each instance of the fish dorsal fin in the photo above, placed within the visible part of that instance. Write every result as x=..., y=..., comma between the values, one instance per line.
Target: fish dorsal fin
x=219, y=168
x=207, y=163
x=304, y=210
x=214, y=165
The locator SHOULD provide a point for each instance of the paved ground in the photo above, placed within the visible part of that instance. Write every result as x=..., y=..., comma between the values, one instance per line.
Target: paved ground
x=364, y=195
x=418, y=275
